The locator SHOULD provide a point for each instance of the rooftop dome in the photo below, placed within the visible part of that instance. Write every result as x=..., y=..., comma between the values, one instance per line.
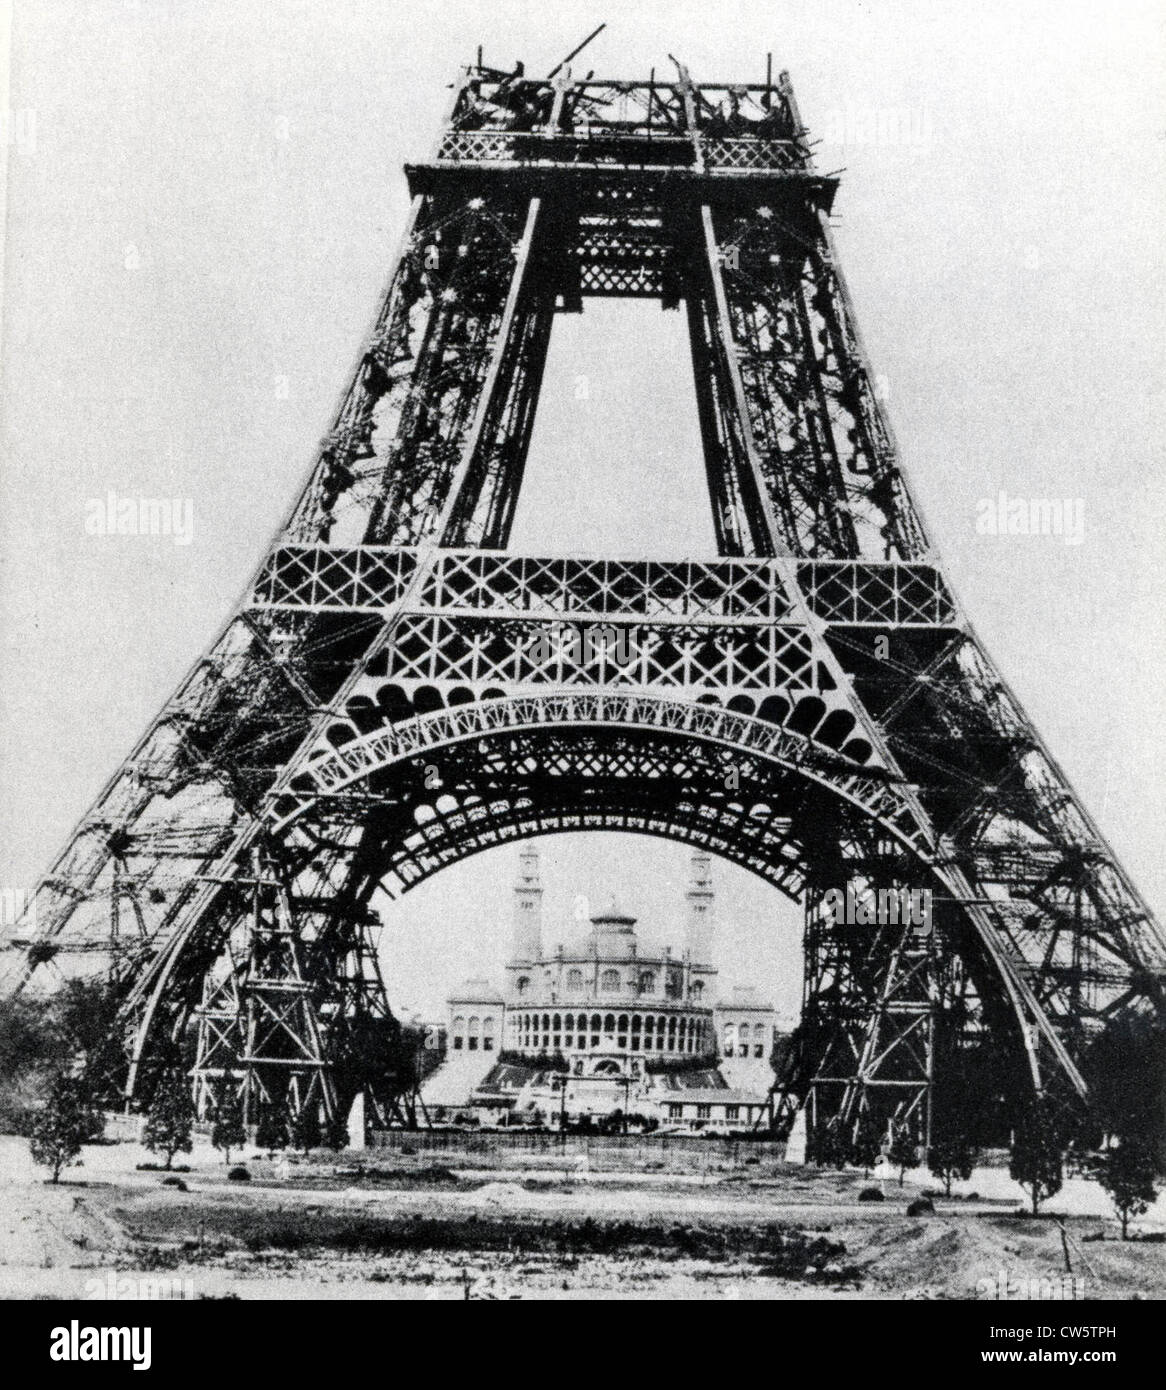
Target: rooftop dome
x=611, y=916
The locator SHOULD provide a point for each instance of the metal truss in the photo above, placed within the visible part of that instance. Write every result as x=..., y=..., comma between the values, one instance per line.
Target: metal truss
x=397, y=690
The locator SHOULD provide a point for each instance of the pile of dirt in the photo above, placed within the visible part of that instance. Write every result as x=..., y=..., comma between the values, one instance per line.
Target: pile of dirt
x=948, y=1256
x=50, y=1227
x=432, y=1175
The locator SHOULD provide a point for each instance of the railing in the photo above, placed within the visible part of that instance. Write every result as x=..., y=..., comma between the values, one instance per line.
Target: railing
x=733, y=591
x=597, y=148
x=375, y=577
x=601, y=147
x=895, y=593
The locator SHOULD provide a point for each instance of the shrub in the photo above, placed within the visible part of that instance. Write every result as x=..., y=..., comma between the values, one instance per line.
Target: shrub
x=1127, y=1173
x=1036, y=1159
x=170, y=1117
x=227, y=1132
x=951, y=1156
x=62, y=1126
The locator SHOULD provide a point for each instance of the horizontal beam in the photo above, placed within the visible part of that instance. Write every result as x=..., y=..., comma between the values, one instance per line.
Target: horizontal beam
x=723, y=592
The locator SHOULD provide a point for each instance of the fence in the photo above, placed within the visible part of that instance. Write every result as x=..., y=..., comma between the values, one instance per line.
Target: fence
x=612, y=1153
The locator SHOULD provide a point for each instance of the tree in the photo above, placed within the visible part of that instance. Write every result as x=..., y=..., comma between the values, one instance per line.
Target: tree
x=828, y=1147
x=866, y=1145
x=903, y=1152
x=84, y=1015
x=74, y=1034
x=306, y=1129
x=1126, y=1072
x=63, y=1124
x=170, y=1117
x=227, y=1132
x=1127, y=1173
x=31, y=1057
x=271, y=1133
x=337, y=1133
x=951, y=1156
x=1037, y=1158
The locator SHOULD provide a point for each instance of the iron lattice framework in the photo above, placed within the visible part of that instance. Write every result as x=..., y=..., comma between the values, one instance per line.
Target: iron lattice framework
x=398, y=690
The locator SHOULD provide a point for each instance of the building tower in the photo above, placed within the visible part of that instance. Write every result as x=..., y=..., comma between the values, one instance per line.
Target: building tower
x=809, y=701
x=613, y=933
x=698, y=934
x=528, y=909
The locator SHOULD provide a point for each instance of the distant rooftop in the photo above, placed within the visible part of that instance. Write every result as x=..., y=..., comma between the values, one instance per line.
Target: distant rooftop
x=476, y=992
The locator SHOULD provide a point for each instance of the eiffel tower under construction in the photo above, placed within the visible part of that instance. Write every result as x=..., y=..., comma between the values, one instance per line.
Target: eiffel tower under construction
x=393, y=694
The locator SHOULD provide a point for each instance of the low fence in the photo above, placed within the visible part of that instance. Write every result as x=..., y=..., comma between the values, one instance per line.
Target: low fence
x=599, y=1152
x=121, y=1128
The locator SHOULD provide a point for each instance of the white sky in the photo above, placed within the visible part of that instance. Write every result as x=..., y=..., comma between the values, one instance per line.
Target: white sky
x=203, y=202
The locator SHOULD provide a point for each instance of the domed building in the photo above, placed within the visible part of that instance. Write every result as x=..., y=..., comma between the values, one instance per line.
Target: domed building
x=605, y=1024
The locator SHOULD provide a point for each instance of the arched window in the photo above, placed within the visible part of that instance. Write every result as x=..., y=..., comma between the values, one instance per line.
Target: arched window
x=730, y=1039
x=609, y=1023
x=488, y=1034
x=522, y=984
x=609, y=982
x=697, y=988
x=569, y=1022
x=574, y=981
x=595, y=1024
x=472, y=1034
x=647, y=982
x=558, y=1023
x=459, y=1032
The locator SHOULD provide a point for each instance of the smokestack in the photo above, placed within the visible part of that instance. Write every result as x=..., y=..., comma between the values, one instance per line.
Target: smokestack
x=528, y=909
x=699, y=927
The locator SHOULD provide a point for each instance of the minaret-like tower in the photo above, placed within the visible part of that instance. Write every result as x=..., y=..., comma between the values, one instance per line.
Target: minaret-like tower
x=698, y=931
x=528, y=909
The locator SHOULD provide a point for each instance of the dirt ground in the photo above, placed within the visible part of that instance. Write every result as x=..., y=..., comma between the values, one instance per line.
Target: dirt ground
x=391, y=1226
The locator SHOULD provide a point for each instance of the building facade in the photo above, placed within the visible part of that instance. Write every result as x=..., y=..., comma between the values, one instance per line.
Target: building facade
x=603, y=1023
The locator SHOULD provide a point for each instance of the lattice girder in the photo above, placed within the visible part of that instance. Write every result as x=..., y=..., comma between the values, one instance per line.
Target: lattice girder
x=815, y=676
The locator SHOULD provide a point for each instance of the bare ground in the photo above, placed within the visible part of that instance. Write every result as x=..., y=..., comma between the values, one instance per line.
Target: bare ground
x=398, y=1227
